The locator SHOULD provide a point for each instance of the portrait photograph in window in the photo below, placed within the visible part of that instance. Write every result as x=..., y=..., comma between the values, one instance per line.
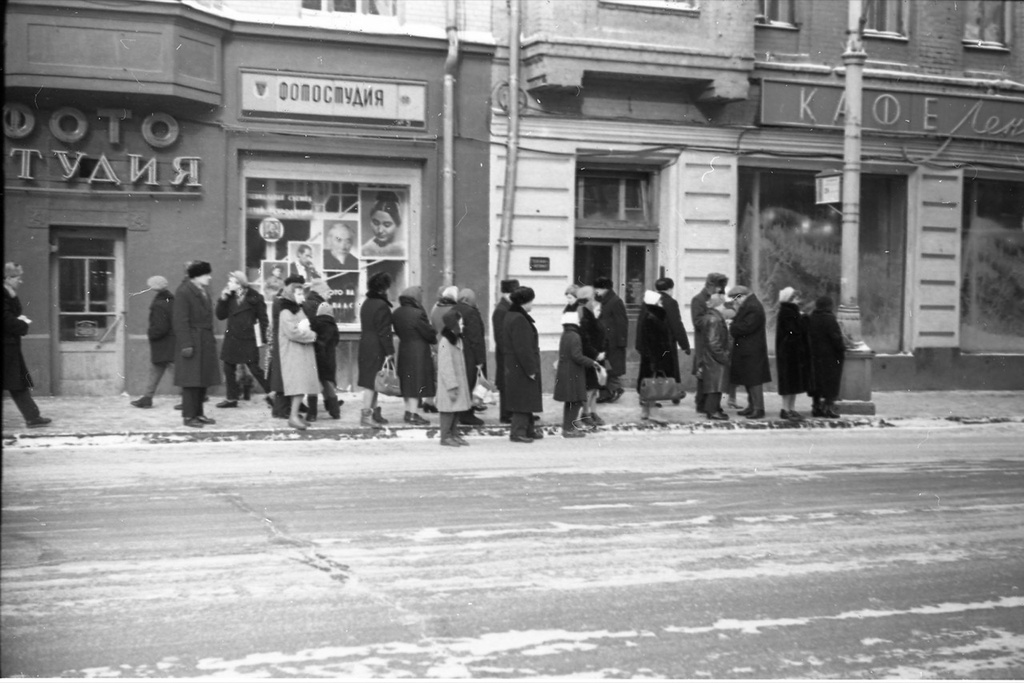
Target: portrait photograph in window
x=340, y=245
x=272, y=275
x=382, y=214
x=305, y=259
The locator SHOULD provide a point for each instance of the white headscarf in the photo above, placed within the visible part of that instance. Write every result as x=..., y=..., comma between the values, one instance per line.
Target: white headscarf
x=786, y=295
x=652, y=298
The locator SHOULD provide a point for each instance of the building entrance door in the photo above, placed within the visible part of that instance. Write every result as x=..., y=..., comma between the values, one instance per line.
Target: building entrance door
x=90, y=313
x=630, y=265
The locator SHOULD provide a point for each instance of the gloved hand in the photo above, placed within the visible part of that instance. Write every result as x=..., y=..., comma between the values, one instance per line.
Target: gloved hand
x=188, y=352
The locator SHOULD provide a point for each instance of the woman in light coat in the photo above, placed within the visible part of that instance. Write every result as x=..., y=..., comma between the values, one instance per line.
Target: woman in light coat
x=296, y=342
x=452, y=382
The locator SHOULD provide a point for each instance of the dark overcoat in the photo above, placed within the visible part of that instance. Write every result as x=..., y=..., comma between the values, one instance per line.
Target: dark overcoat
x=792, y=356
x=616, y=329
x=193, y=328
x=498, y=327
x=659, y=349
x=714, y=353
x=16, y=377
x=376, y=337
x=326, y=347
x=415, y=336
x=749, y=364
x=698, y=316
x=161, y=328
x=828, y=351
x=570, y=379
x=242, y=313
x=474, y=339
x=522, y=359
x=676, y=328
x=592, y=337
x=276, y=380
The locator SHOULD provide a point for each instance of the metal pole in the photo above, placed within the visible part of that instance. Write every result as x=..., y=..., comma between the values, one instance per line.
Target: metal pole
x=448, y=173
x=512, y=148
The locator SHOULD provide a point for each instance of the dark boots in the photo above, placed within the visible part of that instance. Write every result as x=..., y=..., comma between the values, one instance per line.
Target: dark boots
x=312, y=404
x=333, y=407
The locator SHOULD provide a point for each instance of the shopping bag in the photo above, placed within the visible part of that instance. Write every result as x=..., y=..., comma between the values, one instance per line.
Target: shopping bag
x=482, y=390
x=660, y=388
x=386, y=382
x=602, y=375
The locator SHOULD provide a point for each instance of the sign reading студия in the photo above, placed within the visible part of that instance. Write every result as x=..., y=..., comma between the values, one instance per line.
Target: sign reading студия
x=281, y=95
x=823, y=106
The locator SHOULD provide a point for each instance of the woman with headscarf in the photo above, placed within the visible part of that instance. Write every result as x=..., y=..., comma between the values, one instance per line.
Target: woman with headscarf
x=446, y=299
x=791, y=352
x=570, y=375
x=658, y=348
x=415, y=366
x=296, y=339
x=474, y=349
x=452, y=383
x=828, y=351
x=376, y=344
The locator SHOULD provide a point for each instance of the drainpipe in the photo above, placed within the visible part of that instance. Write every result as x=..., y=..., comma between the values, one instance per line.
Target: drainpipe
x=448, y=173
x=512, y=149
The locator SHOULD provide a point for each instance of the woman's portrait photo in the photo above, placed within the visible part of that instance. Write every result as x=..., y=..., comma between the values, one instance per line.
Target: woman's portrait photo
x=382, y=222
x=305, y=260
x=339, y=241
x=272, y=275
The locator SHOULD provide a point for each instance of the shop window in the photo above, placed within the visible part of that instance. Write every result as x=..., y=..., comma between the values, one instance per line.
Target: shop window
x=986, y=23
x=992, y=261
x=886, y=17
x=786, y=240
x=776, y=12
x=384, y=8
x=342, y=232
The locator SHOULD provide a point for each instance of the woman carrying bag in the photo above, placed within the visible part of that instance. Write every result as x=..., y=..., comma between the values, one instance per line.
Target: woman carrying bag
x=657, y=349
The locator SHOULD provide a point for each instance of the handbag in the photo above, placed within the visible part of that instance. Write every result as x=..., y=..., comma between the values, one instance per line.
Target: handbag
x=602, y=375
x=661, y=388
x=482, y=390
x=386, y=382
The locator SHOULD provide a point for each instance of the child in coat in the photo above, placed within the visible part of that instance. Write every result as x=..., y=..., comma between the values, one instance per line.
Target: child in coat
x=452, y=382
x=570, y=379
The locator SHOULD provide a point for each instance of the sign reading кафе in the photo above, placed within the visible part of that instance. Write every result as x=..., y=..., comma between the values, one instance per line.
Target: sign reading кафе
x=822, y=106
x=333, y=100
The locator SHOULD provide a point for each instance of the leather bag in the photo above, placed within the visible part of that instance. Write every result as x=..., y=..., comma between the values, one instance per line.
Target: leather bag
x=661, y=388
x=386, y=382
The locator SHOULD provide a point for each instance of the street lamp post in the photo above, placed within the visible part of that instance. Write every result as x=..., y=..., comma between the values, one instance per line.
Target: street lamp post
x=855, y=392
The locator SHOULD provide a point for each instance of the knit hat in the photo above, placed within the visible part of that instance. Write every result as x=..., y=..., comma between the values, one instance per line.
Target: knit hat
x=652, y=298
x=157, y=282
x=786, y=295
x=243, y=281
x=197, y=268
x=468, y=296
x=325, y=309
x=451, y=292
x=12, y=269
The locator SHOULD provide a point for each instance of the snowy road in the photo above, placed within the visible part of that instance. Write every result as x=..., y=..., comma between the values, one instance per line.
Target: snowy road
x=853, y=553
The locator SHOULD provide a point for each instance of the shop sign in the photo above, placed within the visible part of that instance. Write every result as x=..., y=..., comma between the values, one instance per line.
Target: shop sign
x=333, y=100
x=70, y=126
x=823, y=106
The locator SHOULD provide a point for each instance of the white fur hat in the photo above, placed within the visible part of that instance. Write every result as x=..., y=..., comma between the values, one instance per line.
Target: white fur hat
x=571, y=318
x=786, y=295
x=652, y=298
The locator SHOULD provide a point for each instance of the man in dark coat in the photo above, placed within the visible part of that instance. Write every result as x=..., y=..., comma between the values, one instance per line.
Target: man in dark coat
x=316, y=295
x=713, y=283
x=522, y=383
x=474, y=347
x=615, y=322
x=498, y=326
x=161, y=338
x=714, y=355
x=16, y=377
x=243, y=307
x=195, y=369
x=828, y=352
x=749, y=366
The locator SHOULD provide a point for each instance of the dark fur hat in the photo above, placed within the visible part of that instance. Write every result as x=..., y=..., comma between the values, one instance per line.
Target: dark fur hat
x=509, y=286
x=197, y=268
x=602, y=282
x=522, y=295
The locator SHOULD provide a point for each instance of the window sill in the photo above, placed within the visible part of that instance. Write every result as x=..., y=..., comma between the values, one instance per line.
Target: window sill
x=886, y=35
x=655, y=6
x=777, y=25
x=985, y=47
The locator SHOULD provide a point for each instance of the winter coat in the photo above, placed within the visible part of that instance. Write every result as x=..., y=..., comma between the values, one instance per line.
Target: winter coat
x=451, y=377
x=828, y=350
x=498, y=328
x=592, y=338
x=243, y=312
x=161, y=328
x=522, y=359
x=616, y=329
x=749, y=361
x=326, y=347
x=658, y=354
x=698, y=316
x=415, y=365
x=276, y=384
x=474, y=337
x=375, y=339
x=715, y=350
x=676, y=328
x=16, y=376
x=792, y=355
x=570, y=379
x=193, y=328
x=298, y=355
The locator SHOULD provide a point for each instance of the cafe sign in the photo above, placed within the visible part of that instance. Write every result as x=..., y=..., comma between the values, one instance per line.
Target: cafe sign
x=997, y=119
x=280, y=95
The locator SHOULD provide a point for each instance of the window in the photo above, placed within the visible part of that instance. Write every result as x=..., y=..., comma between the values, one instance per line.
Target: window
x=986, y=24
x=886, y=17
x=657, y=4
x=384, y=8
x=610, y=196
x=776, y=12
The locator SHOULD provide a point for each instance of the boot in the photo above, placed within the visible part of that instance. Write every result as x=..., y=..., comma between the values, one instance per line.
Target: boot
x=312, y=402
x=816, y=408
x=144, y=402
x=415, y=419
x=377, y=416
x=333, y=407
x=246, y=393
x=830, y=410
x=281, y=407
x=366, y=420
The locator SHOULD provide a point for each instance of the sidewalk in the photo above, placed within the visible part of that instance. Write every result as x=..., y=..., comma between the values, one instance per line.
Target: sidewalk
x=93, y=420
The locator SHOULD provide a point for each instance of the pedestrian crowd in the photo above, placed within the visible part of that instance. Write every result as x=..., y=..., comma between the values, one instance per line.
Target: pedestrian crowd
x=440, y=364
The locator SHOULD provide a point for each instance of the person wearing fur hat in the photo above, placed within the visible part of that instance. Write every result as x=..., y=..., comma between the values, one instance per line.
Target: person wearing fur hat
x=523, y=394
x=497, y=327
x=452, y=383
x=296, y=339
x=674, y=320
x=326, y=348
x=195, y=367
x=244, y=308
x=474, y=348
x=791, y=352
x=570, y=377
x=616, y=330
x=161, y=338
x=376, y=344
x=748, y=365
x=713, y=283
x=415, y=364
x=715, y=352
x=658, y=349
x=17, y=379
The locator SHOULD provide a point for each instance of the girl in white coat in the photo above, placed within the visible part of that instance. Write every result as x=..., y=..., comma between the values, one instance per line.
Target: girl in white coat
x=452, y=382
x=298, y=355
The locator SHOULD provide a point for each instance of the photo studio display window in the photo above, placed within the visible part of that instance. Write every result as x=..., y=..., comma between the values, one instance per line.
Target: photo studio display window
x=786, y=240
x=341, y=232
